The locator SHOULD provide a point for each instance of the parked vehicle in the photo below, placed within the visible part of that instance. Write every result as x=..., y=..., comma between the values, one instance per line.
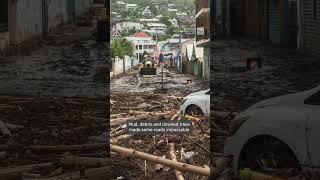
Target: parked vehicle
x=281, y=132
x=196, y=103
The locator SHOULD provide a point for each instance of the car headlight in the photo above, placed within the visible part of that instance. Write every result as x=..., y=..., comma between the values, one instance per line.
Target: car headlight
x=236, y=124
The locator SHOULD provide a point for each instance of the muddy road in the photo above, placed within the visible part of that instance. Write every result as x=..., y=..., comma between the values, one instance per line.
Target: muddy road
x=142, y=95
x=54, y=97
x=68, y=62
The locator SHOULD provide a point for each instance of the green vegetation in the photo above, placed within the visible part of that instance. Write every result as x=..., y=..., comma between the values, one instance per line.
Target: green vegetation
x=130, y=32
x=121, y=48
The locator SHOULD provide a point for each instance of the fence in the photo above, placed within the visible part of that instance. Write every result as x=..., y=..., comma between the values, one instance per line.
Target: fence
x=120, y=66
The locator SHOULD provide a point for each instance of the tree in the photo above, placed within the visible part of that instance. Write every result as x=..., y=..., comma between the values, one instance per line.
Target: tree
x=121, y=48
x=171, y=29
x=153, y=10
x=129, y=32
x=165, y=20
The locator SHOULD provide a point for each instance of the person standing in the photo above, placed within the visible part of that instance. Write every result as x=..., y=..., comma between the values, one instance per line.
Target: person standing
x=161, y=58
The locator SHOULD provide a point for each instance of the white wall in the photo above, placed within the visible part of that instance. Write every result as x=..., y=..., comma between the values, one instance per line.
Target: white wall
x=57, y=13
x=82, y=6
x=117, y=65
x=28, y=19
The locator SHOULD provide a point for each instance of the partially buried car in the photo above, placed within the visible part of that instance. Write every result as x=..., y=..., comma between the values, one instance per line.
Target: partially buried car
x=197, y=103
x=277, y=133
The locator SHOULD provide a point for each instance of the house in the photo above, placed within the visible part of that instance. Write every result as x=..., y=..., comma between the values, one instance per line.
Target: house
x=203, y=37
x=23, y=21
x=292, y=24
x=142, y=42
x=185, y=60
x=116, y=34
x=174, y=22
x=181, y=14
x=172, y=10
x=170, y=5
x=120, y=3
x=189, y=32
x=155, y=20
x=131, y=7
x=154, y=32
x=126, y=26
x=159, y=16
x=157, y=26
x=146, y=12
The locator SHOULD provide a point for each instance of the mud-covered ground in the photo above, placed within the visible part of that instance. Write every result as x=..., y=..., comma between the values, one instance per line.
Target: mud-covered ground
x=56, y=95
x=132, y=91
x=68, y=62
x=282, y=72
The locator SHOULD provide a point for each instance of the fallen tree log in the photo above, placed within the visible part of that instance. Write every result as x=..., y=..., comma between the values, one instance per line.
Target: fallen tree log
x=176, y=116
x=120, y=121
x=195, y=119
x=95, y=173
x=160, y=160
x=135, y=113
x=174, y=158
x=14, y=126
x=4, y=129
x=118, y=133
x=115, y=116
x=248, y=174
x=48, y=149
x=11, y=172
x=11, y=147
x=120, y=138
x=74, y=161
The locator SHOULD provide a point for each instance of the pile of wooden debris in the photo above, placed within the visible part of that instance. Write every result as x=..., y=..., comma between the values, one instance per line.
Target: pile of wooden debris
x=52, y=138
x=184, y=156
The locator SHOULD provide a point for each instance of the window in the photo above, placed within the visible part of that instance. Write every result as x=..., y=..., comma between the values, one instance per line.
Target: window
x=314, y=99
x=315, y=9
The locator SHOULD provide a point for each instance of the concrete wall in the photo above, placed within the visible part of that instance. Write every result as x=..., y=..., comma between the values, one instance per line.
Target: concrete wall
x=4, y=40
x=27, y=21
x=121, y=65
x=57, y=13
x=81, y=6
x=206, y=63
x=311, y=28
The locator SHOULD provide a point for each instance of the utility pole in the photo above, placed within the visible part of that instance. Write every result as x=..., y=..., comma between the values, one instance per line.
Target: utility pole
x=156, y=47
x=180, y=58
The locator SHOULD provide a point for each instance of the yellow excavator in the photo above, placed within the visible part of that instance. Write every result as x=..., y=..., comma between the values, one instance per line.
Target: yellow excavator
x=148, y=67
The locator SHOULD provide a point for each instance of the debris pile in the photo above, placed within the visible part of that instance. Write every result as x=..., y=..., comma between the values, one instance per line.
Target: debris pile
x=163, y=155
x=52, y=138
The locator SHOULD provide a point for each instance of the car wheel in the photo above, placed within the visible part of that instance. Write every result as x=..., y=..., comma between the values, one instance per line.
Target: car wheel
x=194, y=110
x=268, y=155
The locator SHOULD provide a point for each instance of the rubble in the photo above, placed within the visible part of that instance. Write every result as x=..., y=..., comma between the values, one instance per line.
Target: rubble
x=50, y=138
x=137, y=98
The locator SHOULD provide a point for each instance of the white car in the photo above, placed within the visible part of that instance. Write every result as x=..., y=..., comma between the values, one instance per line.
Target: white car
x=281, y=132
x=196, y=103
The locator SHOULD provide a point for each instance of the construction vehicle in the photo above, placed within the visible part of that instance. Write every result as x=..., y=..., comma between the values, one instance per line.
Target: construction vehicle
x=148, y=67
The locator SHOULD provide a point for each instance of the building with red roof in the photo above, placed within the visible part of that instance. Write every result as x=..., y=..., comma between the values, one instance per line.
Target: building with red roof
x=142, y=42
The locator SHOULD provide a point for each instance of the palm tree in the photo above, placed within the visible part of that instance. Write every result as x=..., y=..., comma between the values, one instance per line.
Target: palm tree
x=121, y=48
